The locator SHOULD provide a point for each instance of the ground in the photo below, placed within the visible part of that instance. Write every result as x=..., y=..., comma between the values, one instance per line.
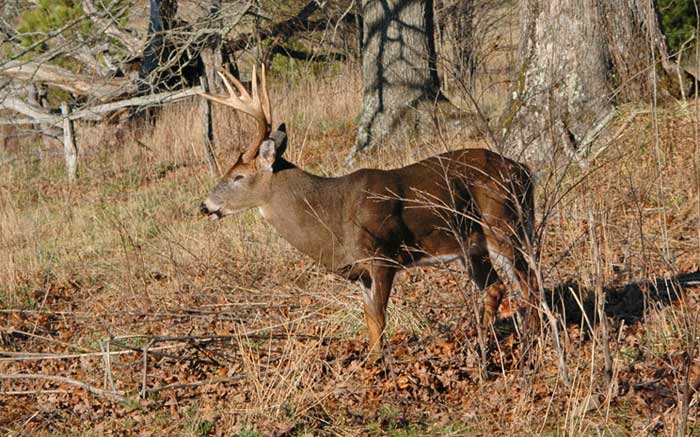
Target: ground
x=157, y=321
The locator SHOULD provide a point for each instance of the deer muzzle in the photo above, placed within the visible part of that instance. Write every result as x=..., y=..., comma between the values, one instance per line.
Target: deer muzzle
x=210, y=210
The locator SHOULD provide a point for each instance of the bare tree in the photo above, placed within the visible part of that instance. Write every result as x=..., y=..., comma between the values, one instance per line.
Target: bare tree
x=579, y=60
x=398, y=68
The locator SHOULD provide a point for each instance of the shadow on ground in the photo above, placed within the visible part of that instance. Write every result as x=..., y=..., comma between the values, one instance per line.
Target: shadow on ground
x=626, y=303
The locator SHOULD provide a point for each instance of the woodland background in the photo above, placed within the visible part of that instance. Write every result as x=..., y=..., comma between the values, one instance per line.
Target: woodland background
x=124, y=312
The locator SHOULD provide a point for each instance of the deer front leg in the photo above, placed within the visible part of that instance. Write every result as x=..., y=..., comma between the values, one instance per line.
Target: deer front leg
x=376, y=297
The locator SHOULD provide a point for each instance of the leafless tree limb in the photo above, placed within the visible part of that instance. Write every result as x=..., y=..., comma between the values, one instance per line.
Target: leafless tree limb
x=100, y=88
x=114, y=395
x=106, y=22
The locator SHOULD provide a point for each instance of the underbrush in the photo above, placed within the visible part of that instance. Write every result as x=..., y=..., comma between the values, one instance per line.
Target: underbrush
x=181, y=325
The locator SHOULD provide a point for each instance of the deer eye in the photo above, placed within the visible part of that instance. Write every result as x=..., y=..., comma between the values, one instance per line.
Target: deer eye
x=237, y=178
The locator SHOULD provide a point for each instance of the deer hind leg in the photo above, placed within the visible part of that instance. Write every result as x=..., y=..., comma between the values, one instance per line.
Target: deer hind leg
x=485, y=277
x=510, y=264
x=375, y=296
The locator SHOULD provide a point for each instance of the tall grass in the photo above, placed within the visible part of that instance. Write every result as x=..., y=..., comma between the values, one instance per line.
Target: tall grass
x=122, y=259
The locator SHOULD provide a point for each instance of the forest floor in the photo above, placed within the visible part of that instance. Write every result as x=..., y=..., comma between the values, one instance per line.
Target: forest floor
x=122, y=311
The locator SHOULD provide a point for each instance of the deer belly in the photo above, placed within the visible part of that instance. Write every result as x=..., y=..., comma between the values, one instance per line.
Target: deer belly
x=435, y=260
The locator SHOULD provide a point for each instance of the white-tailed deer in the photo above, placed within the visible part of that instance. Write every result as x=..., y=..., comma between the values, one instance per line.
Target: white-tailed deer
x=471, y=205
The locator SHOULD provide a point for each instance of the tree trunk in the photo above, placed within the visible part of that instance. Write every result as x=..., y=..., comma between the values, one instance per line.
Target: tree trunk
x=398, y=68
x=162, y=13
x=579, y=60
x=456, y=27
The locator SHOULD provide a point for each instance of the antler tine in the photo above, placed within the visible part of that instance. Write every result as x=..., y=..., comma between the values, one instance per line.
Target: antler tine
x=254, y=86
x=228, y=78
x=266, y=98
x=228, y=86
x=247, y=103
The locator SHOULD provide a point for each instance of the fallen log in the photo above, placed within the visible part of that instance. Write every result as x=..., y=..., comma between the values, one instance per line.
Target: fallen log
x=92, y=113
x=99, y=88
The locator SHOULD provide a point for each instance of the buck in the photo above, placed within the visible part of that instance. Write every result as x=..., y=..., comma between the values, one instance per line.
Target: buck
x=471, y=205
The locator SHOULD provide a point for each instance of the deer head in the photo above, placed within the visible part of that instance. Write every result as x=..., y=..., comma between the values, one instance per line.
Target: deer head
x=247, y=183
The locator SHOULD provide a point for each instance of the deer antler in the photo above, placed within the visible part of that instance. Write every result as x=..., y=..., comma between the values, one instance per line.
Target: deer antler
x=247, y=104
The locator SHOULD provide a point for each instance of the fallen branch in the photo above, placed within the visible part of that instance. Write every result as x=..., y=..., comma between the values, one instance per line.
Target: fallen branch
x=31, y=392
x=38, y=356
x=149, y=100
x=99, y=88
x=216, y=338
x=93, y=113
x=118, y=396
x=38, y=114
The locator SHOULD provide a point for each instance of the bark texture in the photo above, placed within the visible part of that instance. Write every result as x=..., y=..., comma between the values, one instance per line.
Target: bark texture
x=580, y=58
x=456, y=30
x=398, y=67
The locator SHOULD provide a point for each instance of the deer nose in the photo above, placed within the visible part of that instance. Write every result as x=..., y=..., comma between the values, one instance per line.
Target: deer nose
x=203, y=209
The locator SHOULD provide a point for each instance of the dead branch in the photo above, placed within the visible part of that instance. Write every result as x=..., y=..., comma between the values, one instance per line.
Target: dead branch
x=109, y=27
x=38, y=114
x=93, y=113
x=99, y=88
x=87, y=55
x=114, y=395
x=31, y=392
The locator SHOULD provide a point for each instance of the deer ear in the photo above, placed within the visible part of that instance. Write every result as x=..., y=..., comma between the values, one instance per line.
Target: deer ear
x=267, y=154
x=280, y=138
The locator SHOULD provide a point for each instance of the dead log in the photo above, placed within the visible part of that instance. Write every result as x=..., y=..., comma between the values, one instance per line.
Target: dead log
x=93, y=113
x=36, y=113
x=99, y=88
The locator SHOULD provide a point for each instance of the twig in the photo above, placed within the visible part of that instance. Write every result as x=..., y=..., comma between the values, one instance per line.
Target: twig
x=145, y=369
x=31, y=392
x=600, y=298
x=253, y=334
x=108, y=365
x=32, y=356
x=118, y=396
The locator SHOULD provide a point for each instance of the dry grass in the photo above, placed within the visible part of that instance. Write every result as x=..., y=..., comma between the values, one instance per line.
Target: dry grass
x=121, y=262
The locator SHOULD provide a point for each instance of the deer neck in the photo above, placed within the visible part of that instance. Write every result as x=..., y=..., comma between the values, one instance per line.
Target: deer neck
x=293, y=195
x=303, y=208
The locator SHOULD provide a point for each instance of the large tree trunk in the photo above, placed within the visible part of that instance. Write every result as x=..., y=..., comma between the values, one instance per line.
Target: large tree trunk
x=398, y=68
x=579, y=60
x=456, y=29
